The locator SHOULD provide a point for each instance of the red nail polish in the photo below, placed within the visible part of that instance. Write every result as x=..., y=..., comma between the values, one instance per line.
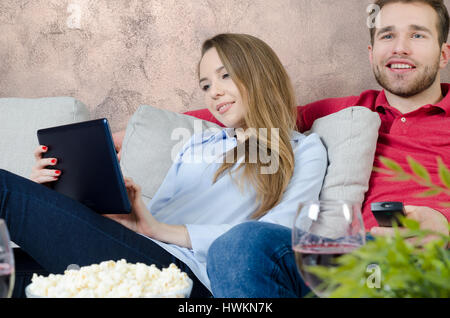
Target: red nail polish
x=44, y=148
x=57, y=172
x=53, y=161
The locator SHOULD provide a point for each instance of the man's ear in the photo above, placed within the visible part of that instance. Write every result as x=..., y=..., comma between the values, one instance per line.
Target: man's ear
x=445, y=55
x=370, y=48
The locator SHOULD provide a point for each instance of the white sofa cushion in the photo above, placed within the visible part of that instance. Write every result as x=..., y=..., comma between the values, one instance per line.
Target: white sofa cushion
x=20, y=118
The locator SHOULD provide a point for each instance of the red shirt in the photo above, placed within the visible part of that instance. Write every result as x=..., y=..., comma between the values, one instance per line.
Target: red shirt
x=423, y=134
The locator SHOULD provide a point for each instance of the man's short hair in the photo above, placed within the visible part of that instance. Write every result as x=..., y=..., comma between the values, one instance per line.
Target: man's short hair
x=437, y=5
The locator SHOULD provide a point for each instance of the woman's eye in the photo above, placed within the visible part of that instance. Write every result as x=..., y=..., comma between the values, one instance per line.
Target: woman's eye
x=205, y=87
x=225, y=76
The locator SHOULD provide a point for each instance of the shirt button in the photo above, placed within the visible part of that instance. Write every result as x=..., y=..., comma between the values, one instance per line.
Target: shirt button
x=403, y=120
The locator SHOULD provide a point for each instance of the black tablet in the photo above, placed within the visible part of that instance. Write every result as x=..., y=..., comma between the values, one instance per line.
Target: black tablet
x=90, y=171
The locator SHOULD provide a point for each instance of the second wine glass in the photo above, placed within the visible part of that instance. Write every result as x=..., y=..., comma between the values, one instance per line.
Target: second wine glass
x=7, y=272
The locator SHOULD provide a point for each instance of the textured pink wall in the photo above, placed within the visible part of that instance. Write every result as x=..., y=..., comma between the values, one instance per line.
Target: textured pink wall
x=117, y=55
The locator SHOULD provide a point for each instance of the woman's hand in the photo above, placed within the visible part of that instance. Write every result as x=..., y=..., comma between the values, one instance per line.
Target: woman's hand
x=118, y=140
x=39, y=173
x=140, y=220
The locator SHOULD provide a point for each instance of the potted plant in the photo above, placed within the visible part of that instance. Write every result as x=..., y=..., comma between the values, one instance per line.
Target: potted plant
x=393, y=267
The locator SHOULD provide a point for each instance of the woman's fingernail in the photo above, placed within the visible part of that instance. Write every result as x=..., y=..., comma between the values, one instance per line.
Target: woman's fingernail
x=57, y=172
x=44, y=148
x=53, y=161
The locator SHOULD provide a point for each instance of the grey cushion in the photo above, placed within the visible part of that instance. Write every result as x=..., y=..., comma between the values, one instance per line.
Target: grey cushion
x=350, y=137
x=20, y=119
x=149, y=147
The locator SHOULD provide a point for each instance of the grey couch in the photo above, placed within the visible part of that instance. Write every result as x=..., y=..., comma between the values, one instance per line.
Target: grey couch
x=149, y=145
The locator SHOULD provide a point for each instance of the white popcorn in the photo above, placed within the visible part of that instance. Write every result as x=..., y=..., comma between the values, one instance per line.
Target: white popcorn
x=112, y=279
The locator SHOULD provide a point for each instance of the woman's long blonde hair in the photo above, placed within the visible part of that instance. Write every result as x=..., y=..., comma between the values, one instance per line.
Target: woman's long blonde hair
x=267, y=92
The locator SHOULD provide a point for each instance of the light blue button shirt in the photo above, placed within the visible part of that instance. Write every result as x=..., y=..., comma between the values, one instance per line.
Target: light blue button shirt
x=188, y=195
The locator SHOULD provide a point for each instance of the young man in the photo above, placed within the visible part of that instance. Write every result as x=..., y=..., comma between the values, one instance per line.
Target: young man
x=408, y=49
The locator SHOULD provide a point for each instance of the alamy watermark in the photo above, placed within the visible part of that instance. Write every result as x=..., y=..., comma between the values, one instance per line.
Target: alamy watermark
x=374, y=279
x=221, y=149
x=373, y=19
x=74, y=19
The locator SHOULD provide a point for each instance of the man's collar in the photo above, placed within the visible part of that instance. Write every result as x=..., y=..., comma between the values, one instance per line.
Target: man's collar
x=381, y=103
x=445, y=102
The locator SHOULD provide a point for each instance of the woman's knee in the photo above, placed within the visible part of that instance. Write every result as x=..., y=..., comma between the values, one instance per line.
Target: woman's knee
x=248, y=239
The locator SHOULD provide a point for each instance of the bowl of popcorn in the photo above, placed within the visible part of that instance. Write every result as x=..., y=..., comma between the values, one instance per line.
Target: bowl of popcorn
x=112, y=279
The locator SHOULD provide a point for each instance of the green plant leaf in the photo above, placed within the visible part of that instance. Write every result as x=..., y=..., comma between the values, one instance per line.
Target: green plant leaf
x=400, y=177
x=410, y=223
x=405, y=269
x=445, y=204
x=391, y=164
x=418, y=169
x=383, y=171
x=429, y=193
x=444, y=173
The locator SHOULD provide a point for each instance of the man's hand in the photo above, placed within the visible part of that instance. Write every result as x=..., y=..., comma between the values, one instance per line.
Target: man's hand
x=428, y=218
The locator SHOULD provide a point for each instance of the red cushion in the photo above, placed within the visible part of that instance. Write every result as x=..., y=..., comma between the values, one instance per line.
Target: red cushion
x=205, y=114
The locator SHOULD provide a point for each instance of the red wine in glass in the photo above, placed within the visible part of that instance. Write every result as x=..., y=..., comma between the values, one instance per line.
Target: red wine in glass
x=324, y=254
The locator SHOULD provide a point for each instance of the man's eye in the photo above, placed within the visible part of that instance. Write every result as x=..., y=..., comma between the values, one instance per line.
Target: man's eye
x=418, y=36
x=386, y=37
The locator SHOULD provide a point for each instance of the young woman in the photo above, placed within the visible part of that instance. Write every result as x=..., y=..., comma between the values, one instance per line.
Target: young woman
x=248, y=90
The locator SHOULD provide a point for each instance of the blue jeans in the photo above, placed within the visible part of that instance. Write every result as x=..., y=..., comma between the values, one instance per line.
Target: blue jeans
x=255, y=260
x=57, y=231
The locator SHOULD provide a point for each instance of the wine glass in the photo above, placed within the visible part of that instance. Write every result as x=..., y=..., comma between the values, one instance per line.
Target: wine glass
x=323, y=231
x=7, y=272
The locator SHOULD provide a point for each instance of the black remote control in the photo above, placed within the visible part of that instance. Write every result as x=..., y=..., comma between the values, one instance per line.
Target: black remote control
x=387, y=213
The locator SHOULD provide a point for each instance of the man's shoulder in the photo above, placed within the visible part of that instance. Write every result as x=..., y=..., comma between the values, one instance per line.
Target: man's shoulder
x=312, y=111
x=366, y=98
